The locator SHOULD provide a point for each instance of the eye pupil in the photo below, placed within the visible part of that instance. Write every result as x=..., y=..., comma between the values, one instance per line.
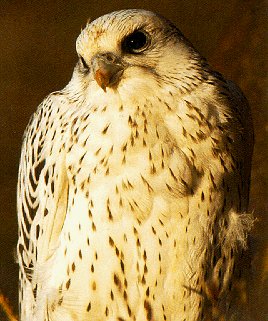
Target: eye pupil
x=136, y=42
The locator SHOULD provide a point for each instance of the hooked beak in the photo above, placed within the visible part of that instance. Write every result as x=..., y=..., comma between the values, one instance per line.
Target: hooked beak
x=107, y=69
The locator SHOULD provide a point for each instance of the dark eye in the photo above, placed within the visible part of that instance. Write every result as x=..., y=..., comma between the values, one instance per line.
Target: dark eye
x=84, y=66
x=136, y=42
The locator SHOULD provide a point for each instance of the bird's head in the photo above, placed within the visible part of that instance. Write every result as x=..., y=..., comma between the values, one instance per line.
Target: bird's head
x=135, y=49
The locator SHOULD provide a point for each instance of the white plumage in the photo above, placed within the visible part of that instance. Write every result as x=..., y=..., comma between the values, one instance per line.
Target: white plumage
x=133, y=183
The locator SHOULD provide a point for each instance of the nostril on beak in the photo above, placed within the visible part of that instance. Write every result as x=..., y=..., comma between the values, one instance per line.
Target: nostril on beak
x=110, y=57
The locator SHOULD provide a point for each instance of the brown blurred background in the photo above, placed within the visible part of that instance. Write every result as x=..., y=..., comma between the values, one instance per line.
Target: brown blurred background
x=37, y=55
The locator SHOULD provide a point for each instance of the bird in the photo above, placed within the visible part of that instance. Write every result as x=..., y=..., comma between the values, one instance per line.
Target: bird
x=134, y=181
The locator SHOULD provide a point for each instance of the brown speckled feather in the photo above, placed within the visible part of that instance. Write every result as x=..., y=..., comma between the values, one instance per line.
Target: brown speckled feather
x=133, y=183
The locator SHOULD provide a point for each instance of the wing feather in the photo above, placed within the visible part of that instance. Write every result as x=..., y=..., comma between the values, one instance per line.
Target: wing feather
x=42, y=196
